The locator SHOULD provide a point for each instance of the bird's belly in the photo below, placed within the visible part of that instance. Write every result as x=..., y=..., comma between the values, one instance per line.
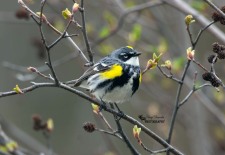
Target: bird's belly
x=117, y=95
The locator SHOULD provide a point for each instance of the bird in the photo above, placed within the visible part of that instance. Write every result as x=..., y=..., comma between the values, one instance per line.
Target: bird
x=114, y=78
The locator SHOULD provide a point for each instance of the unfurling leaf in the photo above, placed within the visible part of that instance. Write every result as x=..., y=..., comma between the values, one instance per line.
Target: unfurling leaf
x=75, y=7
x=136, y=133
x=190, y=53
x=43, y=17
x=167, y=64
x=50, y=125
x=95, y=108
x=189, y=19
x=66, y=13
x=18, y=90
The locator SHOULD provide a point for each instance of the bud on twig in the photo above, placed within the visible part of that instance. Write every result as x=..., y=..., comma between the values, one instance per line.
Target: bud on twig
x=95, y=108
x=211, y=78
x=217, y=17
x=167, y=64
x=49, y=125
x=43, y=17
x=32, y=69
x=66, y=14
x=219, y=49
x=189, y=19
x=18, y=90
x=136, y=133
x=38, y=124
x=190, y=53
x=89, y=127
x=75, y=8
x=22, y=14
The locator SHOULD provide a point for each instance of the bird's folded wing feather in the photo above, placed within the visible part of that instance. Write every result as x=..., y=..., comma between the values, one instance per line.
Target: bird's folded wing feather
x=103, y=65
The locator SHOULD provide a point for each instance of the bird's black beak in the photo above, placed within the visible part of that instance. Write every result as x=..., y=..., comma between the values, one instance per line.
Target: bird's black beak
x=137, y=54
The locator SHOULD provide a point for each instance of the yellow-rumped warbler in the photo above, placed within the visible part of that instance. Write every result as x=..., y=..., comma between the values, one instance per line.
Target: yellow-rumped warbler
x=115, y=78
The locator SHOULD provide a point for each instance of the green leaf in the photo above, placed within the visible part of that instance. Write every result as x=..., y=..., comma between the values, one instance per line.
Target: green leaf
x=110, y=19
x=104, y=32
x=178, y=63
x=135, y=34
x=163, y=46
x=199, y=5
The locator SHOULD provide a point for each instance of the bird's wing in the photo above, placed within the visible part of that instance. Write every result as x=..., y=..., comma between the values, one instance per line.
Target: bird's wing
x=102, y=65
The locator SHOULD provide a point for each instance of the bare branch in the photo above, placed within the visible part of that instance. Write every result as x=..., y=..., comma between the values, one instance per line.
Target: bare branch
x=153, y=152
x=84, y=96
x=115, y=133
x=84, y=31
x=184, y=7
x=168, y=76
x=29, y=76
x=192, y=92
x=53, y=28
x=121, y=132
x=176, y=107
x=105, y=121
x=215, y=8
x=49, y=63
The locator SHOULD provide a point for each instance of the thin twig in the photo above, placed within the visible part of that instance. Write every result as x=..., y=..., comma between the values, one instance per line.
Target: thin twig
x=200, y=33
x=61, y=36
x=115, y=133
x=71, y=35
x=184, y=7
x=105, y=121
x=189, y=34
x=53, y=28
x=49, y=63
x=110, y=110
x=84, y=31
x=153, y=152
x=168, y=76
x=32, y=69
x=176, y=106
x=123, y=135
x=191, y=92
x=29, y=76
x=215, y=8
x=27, y=89
x=200, y=65
x=47, y=136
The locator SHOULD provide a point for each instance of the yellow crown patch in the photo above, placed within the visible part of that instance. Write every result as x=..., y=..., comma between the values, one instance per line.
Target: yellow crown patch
x=129, y=47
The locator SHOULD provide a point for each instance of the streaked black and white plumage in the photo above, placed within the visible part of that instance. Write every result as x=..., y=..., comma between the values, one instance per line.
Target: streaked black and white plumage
x=115, y=78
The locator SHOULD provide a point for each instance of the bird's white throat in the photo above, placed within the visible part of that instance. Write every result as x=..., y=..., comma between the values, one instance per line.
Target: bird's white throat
x=133, y=61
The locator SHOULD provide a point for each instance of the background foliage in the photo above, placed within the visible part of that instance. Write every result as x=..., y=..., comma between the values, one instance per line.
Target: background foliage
x=200, y=124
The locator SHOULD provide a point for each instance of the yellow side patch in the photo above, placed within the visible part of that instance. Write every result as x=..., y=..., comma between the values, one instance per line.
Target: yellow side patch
x=129, y=47
x=140, y=78
x=113, y=72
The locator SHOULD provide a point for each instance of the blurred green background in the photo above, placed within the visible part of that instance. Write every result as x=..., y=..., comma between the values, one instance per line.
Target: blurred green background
x=199, y=128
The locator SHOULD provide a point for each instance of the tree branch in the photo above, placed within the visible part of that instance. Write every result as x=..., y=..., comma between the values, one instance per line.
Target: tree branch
x=88, y=98
x=215, y=8
x=84, y=31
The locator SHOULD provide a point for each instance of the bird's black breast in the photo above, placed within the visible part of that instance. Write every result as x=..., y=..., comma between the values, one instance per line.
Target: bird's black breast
x=128, y=73
x=136, y=80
